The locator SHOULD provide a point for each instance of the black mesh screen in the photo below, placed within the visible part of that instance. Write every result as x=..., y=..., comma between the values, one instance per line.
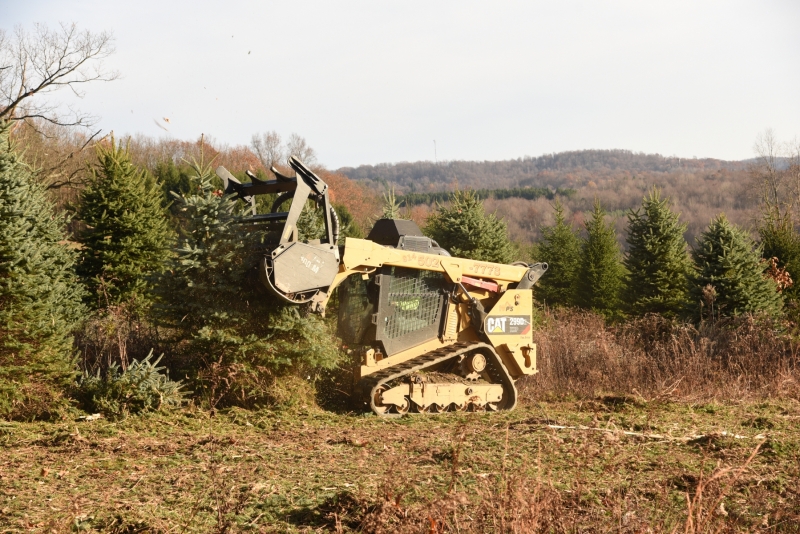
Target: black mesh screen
x=411, y=307
x=415, y=304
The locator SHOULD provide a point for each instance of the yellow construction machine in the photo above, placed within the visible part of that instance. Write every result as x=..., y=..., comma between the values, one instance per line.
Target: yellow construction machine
x=432, y=333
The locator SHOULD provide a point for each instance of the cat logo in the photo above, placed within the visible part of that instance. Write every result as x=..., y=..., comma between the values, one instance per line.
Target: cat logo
x=496, y=325
x=513, y=325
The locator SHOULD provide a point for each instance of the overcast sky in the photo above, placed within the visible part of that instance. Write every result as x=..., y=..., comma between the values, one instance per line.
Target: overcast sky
x=371, y=82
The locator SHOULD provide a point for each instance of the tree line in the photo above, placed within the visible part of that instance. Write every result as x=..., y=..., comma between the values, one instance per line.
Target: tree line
x=80, y=318
x=698, y=188
x=159, y=265
x=528, y=193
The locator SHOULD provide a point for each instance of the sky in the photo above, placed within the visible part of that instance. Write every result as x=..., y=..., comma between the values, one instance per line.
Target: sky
x=390, y=81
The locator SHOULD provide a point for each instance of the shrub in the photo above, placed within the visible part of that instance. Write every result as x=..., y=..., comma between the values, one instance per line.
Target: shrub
x=742, y=357
x=141, y=387
x=231, y=336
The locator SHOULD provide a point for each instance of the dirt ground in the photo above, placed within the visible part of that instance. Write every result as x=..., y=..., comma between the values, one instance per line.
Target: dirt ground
x=607, y=464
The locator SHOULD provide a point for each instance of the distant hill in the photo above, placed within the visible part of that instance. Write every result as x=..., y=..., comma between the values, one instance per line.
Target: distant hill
x=522, y=191
x=565, y=169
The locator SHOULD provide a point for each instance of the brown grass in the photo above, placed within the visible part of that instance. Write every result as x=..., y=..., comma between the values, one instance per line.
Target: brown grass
x=652, y=357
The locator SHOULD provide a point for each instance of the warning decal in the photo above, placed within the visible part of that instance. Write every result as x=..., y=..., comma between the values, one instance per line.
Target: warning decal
x=513, y=325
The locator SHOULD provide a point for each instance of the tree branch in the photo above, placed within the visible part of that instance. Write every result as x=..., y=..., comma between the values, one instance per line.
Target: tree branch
x=45, y=61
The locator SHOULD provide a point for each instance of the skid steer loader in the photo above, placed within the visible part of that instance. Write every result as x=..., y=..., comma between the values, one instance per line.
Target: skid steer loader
x=432, y=333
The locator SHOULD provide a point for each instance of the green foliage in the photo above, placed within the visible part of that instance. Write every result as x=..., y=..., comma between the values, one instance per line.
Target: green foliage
x=311, y=223
x=657, y=261
x=729, y=276
x=141, y=387
x=173, y=178
x=348, y=226
x=561, y=250
x=528, y=193
x=601, y=272
x=233, y=335
x=40, y=297
x=128, y=233
x=779, y=239
x=466, y=231
x=391, y=207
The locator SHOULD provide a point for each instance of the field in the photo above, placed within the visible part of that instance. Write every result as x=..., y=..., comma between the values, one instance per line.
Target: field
x=609, y=463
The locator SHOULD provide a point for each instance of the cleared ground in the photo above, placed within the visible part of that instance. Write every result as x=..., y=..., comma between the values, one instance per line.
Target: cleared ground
x=621, y=464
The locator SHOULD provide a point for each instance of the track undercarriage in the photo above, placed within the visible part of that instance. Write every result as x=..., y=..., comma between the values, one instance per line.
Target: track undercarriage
x=432, y=383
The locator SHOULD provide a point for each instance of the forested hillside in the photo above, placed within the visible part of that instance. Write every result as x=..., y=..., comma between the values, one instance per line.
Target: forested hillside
x=699, y=188
x=565, y=169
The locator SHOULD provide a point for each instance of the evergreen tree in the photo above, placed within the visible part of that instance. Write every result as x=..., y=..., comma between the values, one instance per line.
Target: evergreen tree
x=658, y=262
x=348, y=225
x=727, y=260
x=391, y=208
x=40, y=297
x=561, y=250
x=601, y=272
x=780, y=240
x=466, y=231
x=222, y=317
x=128, y=233
x=173, y=177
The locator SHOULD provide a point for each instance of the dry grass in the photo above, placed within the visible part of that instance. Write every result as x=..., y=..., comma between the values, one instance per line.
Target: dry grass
x=655, y=358
x=643, y=467
x=644, y=427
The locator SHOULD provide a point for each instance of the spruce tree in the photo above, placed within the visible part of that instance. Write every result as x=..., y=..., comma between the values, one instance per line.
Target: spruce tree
x=601, y=272
x=727, y=260
x=657, y=262
x=391, y=208
x=780, y=240
x=40, y=296
x=561, y=250
x=128, y=233
x=224, y=321
x=467, y=231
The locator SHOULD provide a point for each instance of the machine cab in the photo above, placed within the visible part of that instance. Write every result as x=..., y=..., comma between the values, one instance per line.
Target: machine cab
x=394, y=308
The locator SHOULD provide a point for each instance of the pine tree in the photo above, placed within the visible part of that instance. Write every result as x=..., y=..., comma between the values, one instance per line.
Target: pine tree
x=601, y=272
x=561, y=250
x=780, y=240
x=223, y=319
x=40, y=296
x=466, y=231
x=727, y=260
x=391, y=208
x=348, y=225
x=128, y=232
x=657, y=261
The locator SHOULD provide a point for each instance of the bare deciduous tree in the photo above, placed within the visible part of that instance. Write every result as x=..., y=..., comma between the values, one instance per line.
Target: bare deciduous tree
x=268, y=148
x=777, y=173
x=298, y=147
x=58, y=154
x=35, y=64
x=271, y=150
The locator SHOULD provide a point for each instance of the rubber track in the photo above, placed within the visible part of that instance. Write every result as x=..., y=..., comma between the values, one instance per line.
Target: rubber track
x=494, y=366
